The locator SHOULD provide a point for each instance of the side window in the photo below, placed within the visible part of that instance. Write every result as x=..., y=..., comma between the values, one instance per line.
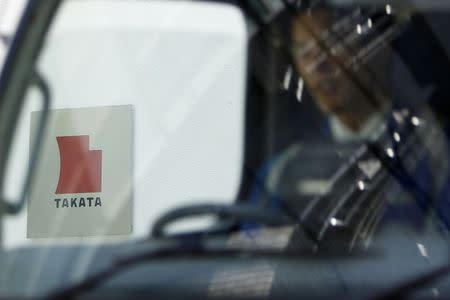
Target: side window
x=147, y=113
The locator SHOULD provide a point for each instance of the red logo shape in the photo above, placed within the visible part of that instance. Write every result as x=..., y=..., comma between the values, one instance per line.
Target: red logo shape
x=80, y=168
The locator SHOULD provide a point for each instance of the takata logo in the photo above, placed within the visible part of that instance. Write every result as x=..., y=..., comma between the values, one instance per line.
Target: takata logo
x=80, y=168
x=84, y=177
x=80, y=172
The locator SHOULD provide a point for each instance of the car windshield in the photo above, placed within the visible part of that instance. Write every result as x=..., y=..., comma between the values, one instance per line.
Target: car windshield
x=318, y=126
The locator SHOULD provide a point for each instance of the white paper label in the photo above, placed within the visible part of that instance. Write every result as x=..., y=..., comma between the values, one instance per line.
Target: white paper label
x=84, y=180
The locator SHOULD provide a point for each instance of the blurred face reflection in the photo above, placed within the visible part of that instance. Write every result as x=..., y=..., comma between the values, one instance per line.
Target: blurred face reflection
x=335, y=91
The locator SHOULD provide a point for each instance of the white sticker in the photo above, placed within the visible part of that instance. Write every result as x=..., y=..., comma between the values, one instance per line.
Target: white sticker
x=83, y=184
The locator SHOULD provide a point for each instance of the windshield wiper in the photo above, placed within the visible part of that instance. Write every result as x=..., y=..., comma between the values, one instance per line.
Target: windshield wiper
x=200, y=248
x=192, y=245
x=192, y=248
x=406, y=288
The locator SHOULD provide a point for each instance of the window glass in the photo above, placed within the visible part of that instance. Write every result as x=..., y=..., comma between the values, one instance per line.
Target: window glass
x=331, y=118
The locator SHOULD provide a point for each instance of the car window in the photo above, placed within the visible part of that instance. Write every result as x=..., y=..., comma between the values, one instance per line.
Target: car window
x=164, y=96
x=331, y=120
